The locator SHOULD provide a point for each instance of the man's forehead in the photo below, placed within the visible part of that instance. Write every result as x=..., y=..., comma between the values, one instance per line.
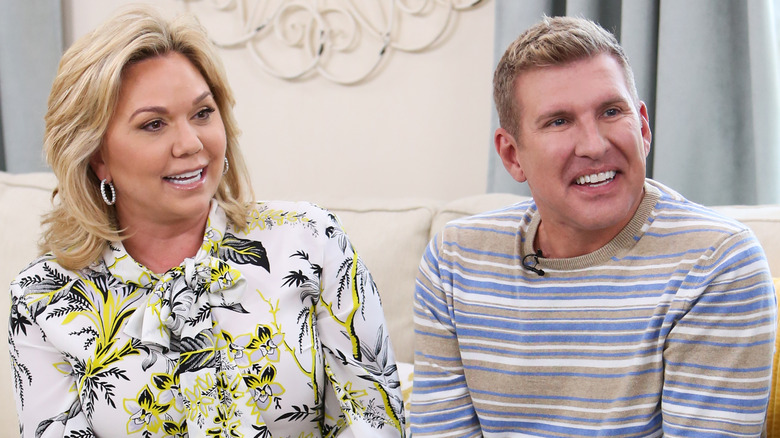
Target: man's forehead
x=595, y=80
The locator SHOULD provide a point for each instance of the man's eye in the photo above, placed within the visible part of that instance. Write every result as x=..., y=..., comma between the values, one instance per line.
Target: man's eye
x=558, y=122
x=611, y=112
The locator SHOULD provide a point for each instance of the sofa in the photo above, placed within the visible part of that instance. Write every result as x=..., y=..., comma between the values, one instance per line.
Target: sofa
x=389, y=234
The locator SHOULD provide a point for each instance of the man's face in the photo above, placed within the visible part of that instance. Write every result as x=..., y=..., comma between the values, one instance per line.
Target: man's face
x=581, y=146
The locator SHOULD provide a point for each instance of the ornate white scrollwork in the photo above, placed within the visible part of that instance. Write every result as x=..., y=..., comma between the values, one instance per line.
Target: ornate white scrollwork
x=321, y=36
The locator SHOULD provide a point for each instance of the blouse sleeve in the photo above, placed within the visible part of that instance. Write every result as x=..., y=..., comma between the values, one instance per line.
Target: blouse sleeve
x=360, y=365
x=46, y=399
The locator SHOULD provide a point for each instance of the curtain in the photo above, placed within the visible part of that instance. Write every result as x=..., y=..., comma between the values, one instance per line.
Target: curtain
x=30, y=48
x=708, y=72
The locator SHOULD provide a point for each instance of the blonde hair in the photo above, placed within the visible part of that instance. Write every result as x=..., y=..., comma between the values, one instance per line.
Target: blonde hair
x=81, y=103
x=552, y=41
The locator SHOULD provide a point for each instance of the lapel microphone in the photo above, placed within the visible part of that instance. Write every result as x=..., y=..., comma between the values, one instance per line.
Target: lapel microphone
x=533, y=267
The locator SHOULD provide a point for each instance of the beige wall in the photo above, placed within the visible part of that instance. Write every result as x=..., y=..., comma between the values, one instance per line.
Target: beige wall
x=419, y=128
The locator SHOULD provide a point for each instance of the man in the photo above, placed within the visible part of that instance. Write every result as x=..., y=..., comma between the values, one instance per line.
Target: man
x=608, y=305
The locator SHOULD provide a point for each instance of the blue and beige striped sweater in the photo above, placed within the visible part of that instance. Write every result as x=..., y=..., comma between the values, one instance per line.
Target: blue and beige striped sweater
x=668, y=330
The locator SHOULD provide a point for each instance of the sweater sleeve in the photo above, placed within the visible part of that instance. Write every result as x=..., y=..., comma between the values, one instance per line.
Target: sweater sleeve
x=720, y=343
x=441, y=402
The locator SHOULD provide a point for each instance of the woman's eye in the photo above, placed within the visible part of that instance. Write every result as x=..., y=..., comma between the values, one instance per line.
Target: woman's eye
x=154, y=125
x=205, y=113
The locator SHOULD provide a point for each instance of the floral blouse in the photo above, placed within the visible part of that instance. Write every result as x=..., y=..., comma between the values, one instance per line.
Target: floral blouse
x=274, y=331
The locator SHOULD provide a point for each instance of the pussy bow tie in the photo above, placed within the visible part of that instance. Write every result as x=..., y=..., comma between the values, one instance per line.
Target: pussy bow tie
x=180, y=302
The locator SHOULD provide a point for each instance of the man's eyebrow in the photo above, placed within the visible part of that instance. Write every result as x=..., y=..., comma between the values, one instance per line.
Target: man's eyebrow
x=617, y=100
x=555, y=114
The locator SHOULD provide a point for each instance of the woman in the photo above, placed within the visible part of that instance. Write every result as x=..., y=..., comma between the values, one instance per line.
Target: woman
x=166, y=302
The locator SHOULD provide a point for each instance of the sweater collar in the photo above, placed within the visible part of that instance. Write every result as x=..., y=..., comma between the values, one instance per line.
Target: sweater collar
x=621, y=243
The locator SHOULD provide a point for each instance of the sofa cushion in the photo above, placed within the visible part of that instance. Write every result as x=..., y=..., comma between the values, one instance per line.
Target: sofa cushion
x=390, y=237
x=24, y=197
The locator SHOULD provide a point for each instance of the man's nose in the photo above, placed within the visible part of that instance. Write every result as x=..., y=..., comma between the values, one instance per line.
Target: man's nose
x=591, y=141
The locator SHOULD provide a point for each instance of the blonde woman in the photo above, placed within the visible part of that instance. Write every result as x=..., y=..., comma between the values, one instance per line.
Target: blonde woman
x=166, y=301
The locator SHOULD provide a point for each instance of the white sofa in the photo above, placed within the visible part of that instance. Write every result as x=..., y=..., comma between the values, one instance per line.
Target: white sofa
x=390, y=235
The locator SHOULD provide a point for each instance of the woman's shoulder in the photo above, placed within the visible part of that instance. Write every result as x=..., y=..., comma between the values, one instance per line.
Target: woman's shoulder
x=40, y=263
x=280, y=215
x=43, y=271
x=293, y=206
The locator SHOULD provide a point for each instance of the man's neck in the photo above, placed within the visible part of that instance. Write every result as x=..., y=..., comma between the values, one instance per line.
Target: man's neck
x=563, y=243
x=560, y=240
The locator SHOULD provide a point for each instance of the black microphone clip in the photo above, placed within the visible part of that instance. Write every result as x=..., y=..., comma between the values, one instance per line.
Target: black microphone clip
x=533, y=268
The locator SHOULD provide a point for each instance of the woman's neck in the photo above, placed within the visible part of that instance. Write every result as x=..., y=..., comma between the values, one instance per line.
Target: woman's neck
x=160, y=247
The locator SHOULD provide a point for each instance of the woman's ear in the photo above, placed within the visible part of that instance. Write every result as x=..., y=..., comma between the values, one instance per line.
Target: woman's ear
x=99, y=166
x=507, y=149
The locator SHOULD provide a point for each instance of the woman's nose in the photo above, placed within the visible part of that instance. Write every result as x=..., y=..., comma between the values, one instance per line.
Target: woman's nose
x=187, y=141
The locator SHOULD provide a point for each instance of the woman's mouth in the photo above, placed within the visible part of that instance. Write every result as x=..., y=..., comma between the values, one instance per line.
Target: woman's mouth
x=185, y=178
x=596, y=179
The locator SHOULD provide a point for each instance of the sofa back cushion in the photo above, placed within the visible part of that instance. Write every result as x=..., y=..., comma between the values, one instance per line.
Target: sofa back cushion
x=24, y=198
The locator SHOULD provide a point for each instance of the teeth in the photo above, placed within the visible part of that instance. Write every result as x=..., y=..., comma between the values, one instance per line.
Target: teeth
x=596, y=177
x=185, y=178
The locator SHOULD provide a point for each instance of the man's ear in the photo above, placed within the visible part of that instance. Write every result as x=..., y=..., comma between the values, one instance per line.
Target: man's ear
x=507, y=149
x=99, y=166
x=644, y=119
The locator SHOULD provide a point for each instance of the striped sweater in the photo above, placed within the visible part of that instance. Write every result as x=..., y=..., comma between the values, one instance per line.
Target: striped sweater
x=668, y=330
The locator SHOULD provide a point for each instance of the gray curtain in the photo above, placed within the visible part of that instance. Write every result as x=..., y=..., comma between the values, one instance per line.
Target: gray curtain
x=708, y=71
x=30, y=48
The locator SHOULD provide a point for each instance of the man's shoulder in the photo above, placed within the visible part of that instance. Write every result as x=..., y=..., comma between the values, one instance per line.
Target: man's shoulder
x=673, y=208
x=515, y=213
x=675, y=215
x=492, y=228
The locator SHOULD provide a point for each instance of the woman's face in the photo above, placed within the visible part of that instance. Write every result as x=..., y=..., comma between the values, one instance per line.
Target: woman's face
x=165, y=144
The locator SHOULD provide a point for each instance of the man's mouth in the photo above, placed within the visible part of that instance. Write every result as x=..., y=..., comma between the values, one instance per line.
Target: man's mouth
x=185, y=178
x=596, y=179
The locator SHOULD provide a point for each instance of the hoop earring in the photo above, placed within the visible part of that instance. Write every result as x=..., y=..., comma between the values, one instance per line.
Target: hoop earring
x=103, y=185
x=227, y=166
